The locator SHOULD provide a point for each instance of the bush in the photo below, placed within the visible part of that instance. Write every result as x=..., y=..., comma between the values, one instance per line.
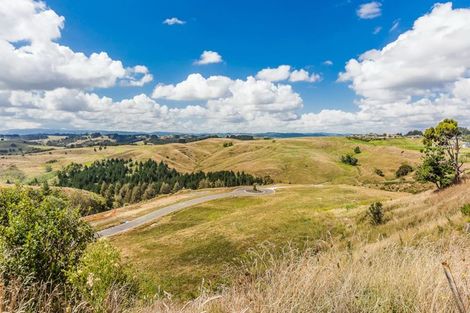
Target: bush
x=465, y=209
x=403, y=170
x=379, y=172
x=48, y=168
x=375, y=213
x=357, y=150
x=349, y=159
x=100, y=274
x=228, y=144
x=41, y=236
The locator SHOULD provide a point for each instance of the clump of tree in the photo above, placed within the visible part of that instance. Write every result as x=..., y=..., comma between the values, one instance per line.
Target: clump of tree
x=125, y=181
x=349, y=159
x=415, y=132
x=403, y=170
x=375, y=213
x=228, y=144
x=441, y=155
x=357, y=150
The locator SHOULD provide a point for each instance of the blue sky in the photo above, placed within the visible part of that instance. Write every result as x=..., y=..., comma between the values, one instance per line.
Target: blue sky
x=394, y=65
x=249, y=34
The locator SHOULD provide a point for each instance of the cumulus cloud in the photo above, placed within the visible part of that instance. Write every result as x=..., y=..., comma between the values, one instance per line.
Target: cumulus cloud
x=209, y=57
x=285, y=72
x=282, y=72
x=31, y=59
x=303, y=76
x=415, y=81
x=369, y=10
x=420, y=77
x=173, y=21
x=194, y=87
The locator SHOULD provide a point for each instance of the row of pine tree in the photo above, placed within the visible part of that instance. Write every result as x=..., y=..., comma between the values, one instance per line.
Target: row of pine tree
x=122, y=181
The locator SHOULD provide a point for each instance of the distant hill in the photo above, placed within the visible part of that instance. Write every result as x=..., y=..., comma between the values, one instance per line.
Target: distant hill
x=52, y=131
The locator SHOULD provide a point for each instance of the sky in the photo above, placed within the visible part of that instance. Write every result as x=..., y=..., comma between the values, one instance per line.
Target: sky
x=234, y=66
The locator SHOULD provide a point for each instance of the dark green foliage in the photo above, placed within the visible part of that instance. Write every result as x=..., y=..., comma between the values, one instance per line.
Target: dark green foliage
x=227, y=144
x=375, y=213
x=379, y=172
x=349, y=159
x=132, y=182
x=435, y=169
x=41, y=236
x=441, y=156
x=403, y=170
x=465, y=209
x=357, y=150
x=414, y=133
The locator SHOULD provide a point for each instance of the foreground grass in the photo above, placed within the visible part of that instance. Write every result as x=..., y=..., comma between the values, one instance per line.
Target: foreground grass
x=299, y=160
x=395, y=267
x=198, y=245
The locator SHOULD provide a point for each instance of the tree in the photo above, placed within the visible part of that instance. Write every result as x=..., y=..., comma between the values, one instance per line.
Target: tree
x=441, y=159
x=375, y=213
x=435, y=169
x=403, y=170
x=357, y=150
x=150, y=192
x=176, y=187
x=349, y=159
x=165, y=188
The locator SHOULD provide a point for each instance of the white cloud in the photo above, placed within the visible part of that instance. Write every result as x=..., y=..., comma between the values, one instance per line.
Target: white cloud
x=31, y=59
x=282, y=72
x=194, y=87
x=415, y=81
x=209, y=57
x=369, y=10
x=419, y=78
x=395, y=25
x=174, y=21
x=285, y=72
x=377, y=30
x=303, y=76
x=328, y=62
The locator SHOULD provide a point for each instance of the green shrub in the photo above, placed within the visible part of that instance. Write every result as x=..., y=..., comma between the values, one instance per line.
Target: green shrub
x=48, y=168
x=349, y=159
x=375, y=213
x=465, y=209
x=228, y=144
x=403, y=170
x=379, y=172
x=357, y=150
x=100, y=273
x=41, y=236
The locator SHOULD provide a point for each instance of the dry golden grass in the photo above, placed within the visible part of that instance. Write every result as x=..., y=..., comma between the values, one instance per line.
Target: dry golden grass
x=299, y=160
x=395, y=267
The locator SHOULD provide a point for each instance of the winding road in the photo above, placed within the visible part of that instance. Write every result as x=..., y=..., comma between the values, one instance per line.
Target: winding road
x=147, y=218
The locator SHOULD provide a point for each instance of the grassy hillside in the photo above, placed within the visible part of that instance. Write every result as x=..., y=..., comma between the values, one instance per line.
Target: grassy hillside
x=300, y=160
x=178, y=251
x=394, y=267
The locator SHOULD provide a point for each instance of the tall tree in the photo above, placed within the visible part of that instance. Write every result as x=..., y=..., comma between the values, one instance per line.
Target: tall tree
x=441, y=160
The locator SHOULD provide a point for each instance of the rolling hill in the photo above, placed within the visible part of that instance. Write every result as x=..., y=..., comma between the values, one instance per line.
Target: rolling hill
x=299, y=160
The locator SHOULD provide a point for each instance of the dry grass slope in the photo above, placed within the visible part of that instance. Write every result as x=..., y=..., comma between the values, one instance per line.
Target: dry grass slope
x=395, y=267
x=300, y=160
